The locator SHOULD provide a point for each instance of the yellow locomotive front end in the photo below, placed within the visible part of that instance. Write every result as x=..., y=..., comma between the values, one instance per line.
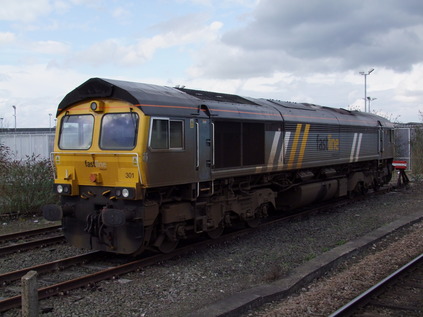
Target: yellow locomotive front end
x=99, y=175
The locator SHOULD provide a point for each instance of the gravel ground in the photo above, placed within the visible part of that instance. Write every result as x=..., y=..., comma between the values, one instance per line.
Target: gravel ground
x=10, y=226
x=180, y=286
x=330, y=292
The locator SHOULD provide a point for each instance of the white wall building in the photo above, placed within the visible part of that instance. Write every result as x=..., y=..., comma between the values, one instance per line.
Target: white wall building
x=27, y=142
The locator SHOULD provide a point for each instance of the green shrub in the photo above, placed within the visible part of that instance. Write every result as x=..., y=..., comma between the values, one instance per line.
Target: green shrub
x=25, y=185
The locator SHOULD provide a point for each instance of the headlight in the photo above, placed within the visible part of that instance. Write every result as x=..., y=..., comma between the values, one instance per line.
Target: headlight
x=125, y=193
x=64, y=189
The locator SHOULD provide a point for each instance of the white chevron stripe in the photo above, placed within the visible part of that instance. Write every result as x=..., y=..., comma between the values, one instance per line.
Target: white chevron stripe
x=358, y=147
x=274, y=148
x=353, y=147
x=285, y=145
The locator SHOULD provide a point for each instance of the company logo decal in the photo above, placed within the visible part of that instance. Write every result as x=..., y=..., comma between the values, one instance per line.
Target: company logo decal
x=327, y=143
x=96, y=163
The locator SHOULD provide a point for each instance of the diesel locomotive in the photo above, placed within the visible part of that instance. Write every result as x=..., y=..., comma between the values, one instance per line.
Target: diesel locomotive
x=143, y=166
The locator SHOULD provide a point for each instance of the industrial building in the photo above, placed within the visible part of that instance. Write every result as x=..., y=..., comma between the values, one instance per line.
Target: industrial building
x=25, y=143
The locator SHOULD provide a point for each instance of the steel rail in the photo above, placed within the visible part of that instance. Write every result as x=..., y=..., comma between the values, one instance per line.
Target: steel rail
x=31, y=244
x=48, y=267
x=14, y=302
x=365, y=297
x=29, y=233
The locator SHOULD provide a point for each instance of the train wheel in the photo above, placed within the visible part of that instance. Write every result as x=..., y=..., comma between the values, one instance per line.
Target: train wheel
x=376, y=185
x=139, y=251
x=260, y=213
x=359, y=190
x=253, y=222
x=166, y=244
x=215, y=233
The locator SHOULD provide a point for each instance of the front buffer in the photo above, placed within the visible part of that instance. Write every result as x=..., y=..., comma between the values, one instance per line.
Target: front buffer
x=94, y=224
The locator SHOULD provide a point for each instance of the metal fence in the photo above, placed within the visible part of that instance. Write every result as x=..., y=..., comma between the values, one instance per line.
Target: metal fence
x=28, y=142
x=403, y=145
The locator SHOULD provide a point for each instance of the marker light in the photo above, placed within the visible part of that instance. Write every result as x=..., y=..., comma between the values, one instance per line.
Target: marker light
x=97, y=106
x=125, y=193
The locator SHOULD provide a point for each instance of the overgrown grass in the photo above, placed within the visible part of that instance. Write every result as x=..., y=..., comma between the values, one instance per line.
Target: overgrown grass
x=25, y=185
x=275, y=272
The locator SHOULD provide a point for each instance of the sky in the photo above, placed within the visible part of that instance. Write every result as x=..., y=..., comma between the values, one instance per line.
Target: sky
x=303, y=51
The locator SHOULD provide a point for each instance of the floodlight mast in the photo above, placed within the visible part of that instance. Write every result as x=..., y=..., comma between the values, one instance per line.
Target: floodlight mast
x=365, y=87
x=14, y=114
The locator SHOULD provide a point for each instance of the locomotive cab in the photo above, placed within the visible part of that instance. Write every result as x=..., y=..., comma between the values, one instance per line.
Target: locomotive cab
x=98, y=173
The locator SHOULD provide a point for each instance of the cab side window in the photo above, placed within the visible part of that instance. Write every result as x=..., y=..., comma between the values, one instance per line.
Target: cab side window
x=167, y=134
x=176, y=135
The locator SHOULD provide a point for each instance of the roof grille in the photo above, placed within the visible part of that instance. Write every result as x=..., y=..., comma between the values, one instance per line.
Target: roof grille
x=215, y=96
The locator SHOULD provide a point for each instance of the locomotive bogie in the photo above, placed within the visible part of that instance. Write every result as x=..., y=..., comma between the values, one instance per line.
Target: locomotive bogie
x=141, y=166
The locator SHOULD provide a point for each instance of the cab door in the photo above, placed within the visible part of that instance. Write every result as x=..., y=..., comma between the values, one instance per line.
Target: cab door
x=381, y=139
x=204, y=159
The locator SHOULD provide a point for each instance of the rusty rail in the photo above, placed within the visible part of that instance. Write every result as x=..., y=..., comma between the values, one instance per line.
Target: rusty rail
x=29, y=233
x=31, y=244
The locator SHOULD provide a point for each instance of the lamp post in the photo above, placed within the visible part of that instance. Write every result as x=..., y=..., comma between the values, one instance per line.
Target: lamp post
x=14, y=110
x=1, y=119
x=370, y=99
x=50, y=120
x=365, y=87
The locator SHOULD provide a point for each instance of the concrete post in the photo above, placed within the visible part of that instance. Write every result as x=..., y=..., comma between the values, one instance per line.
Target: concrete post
x=29, y=294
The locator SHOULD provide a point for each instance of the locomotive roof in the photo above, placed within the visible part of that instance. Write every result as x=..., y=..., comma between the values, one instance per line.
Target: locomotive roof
x=157, y=100
x=135, y=93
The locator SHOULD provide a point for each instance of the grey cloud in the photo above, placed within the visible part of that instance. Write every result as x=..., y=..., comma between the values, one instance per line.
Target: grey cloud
x=326, y=35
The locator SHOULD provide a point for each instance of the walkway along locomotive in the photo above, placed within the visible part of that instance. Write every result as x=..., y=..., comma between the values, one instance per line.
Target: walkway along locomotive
x=140, y=166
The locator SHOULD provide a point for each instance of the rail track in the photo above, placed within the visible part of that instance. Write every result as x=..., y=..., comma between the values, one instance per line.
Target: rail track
x=102, y=274
x=399, y=294
x=110, y=272
x=131, y=264
x=27, y=240
x=24, y=234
